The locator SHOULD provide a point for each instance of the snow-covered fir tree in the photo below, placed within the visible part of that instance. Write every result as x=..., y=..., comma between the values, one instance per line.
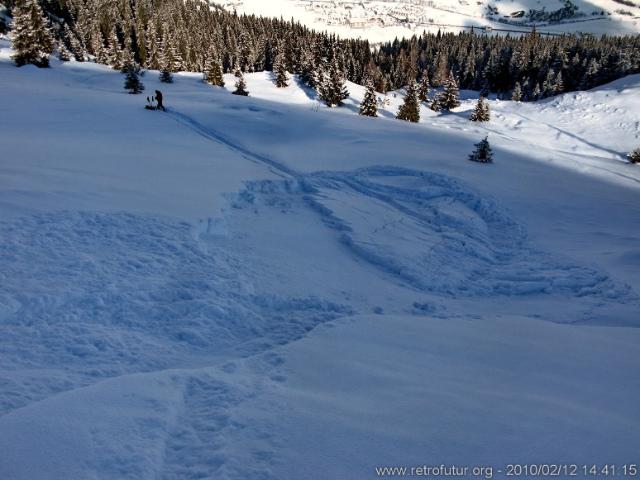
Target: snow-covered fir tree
x=241, y=85
x=482, y=153
x=558, y=84
x=436, y=102
x=424, y=88
x=132, y=80
x=535, y=95
x=634, y=156
x=451, y=94
x=213, y=69
x=166, y=76
x=32, y=40
x=330, y=83
x=280, y=77
x=64, y=55
x=170, y=58
x=71, y=41
x=591, y=76
x=548, y=86
x=369, y=105
x=153, y=48
x=308, y=66
x=516, y=95
x=481, y=113
x=114, y=52
x=410, y=109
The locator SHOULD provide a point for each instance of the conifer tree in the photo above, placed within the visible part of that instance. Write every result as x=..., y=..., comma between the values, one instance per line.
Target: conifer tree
x=451, y=94
x=279, y=70
x=153, y=47
x=308, y=66
x=63, y=53
x=213, y=69
x=73, y=45
x=436, y=102
x=481, y=112
x=482, y=153
x=330, y=84
x=127, y=59
x=32, y=40
x=536, y=92
x=424, y=88
x=558, y=84
x=132, y=80
x=634, y=156
x=548, y=84
x=410, y=109
x=166, y=76
x=241, y=85
x=590, y=77
x=369, y=105
x=381, y=86
x=114, y=53
x=516, y=95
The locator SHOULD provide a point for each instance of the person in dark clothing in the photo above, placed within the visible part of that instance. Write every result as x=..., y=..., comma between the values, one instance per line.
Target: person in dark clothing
x=159, y=106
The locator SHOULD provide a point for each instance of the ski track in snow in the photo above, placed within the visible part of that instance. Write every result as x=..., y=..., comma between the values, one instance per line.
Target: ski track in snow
x=186, y=303
x=432, y=205
x=178, y=298
x=215, y=136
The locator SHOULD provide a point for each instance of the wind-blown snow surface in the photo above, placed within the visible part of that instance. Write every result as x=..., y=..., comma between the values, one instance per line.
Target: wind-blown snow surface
x=264, y=288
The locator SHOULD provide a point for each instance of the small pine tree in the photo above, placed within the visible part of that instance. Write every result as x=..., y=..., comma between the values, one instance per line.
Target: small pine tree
x=63, y=53
x=436, y=103
x=369, y=105
x=166, y=76
x=482, y=153
x=213, y=70
x=535, y=95
x=516, y=95
x=308, y=66
x=330, y=84
x=132, y=80
x=424, y=88
x=32, y=40
x=74, y=45
x=410, y=109
x=241, y=85
x=481, y=112
x=451, y=94
x=634, y=156
x=279, y=70
x=558, y=84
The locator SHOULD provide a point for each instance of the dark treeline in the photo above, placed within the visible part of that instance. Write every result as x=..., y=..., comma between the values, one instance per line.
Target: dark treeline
x=174, y=35
x=537, y=65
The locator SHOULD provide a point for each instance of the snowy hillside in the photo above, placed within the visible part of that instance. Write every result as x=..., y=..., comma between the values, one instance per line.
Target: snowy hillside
x=384, y=20
x=266, y=288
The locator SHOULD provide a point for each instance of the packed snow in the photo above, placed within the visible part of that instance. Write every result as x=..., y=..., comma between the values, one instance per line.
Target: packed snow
x=262, y=287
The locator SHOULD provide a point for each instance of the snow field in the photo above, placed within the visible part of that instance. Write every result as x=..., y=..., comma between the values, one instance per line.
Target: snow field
x=263, y=288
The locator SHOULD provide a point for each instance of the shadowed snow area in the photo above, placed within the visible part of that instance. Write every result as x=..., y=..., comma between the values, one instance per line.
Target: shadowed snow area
x=264, y=288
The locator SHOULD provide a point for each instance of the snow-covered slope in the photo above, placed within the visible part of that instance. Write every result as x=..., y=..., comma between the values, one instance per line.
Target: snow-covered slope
x=384, y=20
x=265, y=288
